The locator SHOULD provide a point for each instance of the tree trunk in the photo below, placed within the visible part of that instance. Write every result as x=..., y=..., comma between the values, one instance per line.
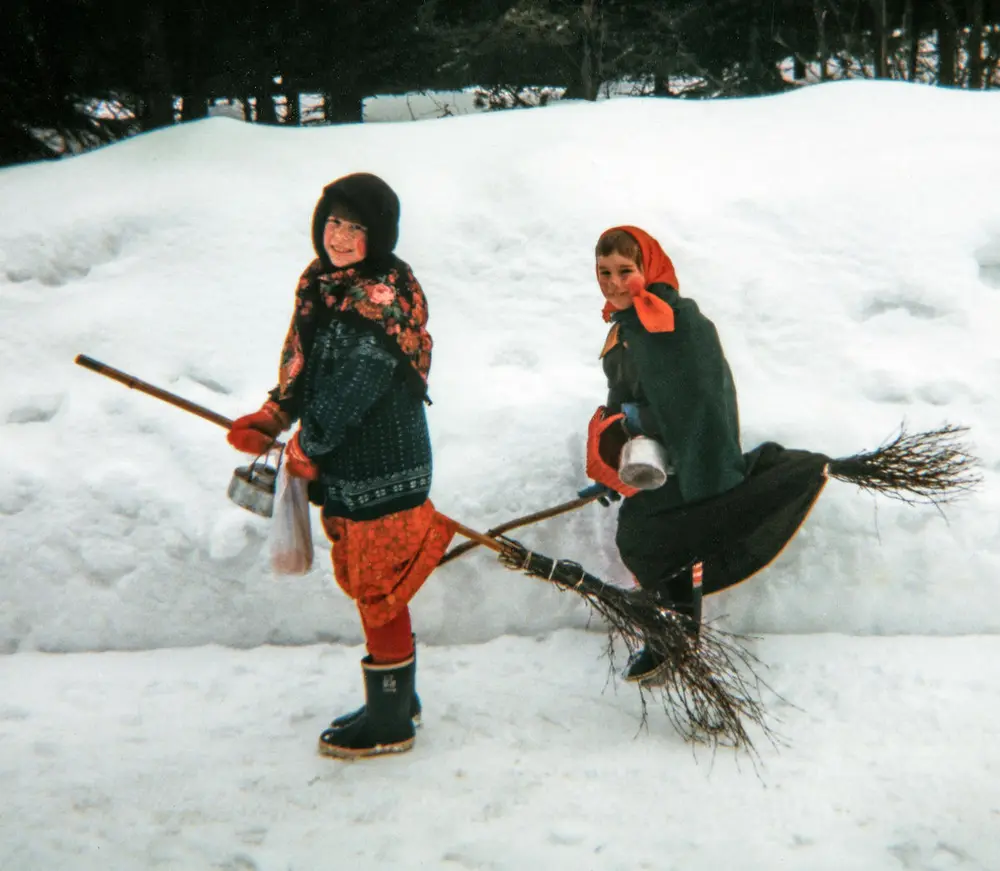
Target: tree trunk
x=293, y=108
x=156, y=110
x=266, y=113
x=947, y=44
x=822, y=49
x=993, y=61
x=586, y=72
x=881, y=40
x=590, y=49
x=974, y=46
x=184, y=35
x=754, y=65
x=340, y=106
x=661, y=86
x=912, y=30
x=157, y=104
x=193, y=107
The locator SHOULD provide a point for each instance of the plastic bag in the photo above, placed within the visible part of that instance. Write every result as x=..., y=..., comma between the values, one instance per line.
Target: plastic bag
x=290, y=537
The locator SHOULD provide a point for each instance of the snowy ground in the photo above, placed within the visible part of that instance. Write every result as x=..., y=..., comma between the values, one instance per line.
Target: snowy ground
x=205, y=758
x=846, y=241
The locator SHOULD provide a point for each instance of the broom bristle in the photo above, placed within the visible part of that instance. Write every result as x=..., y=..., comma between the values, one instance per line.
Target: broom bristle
x=933, y=466
x=708, y=686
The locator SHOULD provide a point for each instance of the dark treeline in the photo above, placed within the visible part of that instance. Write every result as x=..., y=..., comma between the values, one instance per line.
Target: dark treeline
x=75, y=73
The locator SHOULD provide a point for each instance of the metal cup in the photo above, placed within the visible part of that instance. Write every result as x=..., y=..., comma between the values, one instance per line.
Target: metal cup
x=643, y=463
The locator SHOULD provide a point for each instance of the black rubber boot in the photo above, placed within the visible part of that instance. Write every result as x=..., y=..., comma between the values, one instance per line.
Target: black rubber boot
x=415, y=709
x=647, y=666
x=385, y=726
x=643, y=665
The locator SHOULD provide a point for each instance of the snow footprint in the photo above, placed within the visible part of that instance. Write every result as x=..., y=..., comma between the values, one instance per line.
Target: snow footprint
x=238, y=862
x=20, y=491
x=10, y=713
x=65, y=255
x=988, y=258
x=881, y=305
x=37, y=409
x=207, y=381
x=890, y=389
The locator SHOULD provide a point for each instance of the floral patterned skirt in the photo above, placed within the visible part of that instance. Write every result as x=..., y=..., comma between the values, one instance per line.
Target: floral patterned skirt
x=382, y=563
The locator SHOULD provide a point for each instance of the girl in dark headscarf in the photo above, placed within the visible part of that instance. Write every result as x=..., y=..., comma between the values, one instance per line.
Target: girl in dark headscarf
x=353, y=374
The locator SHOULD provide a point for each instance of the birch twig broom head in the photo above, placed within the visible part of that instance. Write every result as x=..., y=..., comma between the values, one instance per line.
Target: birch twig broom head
x=709, y=686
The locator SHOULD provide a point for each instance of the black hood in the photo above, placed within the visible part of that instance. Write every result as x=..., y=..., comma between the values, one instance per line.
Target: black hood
x=375, y=204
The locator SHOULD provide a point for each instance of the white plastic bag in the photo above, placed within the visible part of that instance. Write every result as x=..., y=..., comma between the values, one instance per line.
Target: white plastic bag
x=291, y=535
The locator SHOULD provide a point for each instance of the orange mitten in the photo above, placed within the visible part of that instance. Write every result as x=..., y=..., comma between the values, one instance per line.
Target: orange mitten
x=605, y=439
x=255, y=433
x=297, y=463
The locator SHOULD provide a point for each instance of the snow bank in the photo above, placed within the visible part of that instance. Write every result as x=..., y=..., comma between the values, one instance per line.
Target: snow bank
x=845, y=239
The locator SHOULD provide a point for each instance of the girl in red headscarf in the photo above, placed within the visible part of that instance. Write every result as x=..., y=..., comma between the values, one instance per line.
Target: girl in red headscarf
x=665, y=369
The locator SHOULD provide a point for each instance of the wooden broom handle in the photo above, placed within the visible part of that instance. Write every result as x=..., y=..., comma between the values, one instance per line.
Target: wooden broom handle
x=478, y=537
x=517, y=523
x=156, y=392
x=209, y=415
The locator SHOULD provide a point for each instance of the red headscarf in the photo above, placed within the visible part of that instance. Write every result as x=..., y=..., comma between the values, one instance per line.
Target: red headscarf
x=654, y=313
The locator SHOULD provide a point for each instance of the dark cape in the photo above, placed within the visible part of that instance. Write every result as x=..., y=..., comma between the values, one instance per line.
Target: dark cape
x=734, y=534
x=684, y=388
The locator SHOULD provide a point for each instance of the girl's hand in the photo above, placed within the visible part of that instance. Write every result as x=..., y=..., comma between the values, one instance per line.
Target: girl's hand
x=297, y=463
x=255, y=433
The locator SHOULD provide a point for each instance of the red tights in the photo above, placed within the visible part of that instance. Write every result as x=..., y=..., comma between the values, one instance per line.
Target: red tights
x=392, y=642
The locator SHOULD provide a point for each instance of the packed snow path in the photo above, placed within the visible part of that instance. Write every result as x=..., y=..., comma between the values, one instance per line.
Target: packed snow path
x=204, y=758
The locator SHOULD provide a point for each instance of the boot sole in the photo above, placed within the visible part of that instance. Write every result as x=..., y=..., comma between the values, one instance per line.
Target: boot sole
x=364, y=752
x=650, y=678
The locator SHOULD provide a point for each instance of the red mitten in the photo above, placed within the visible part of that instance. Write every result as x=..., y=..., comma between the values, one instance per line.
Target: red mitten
x=297, y=463
x=605, y=439
x=255, y=433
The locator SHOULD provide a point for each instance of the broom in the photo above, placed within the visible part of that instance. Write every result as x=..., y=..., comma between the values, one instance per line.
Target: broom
x=707, y=690
x=710, y=690
x=933, y=467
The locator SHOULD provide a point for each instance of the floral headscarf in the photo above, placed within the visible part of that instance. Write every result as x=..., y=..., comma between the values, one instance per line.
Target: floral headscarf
x=392, y=301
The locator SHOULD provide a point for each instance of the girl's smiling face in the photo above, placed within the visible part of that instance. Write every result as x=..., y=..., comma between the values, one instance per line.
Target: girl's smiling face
x=344, y=239
x=615, y=273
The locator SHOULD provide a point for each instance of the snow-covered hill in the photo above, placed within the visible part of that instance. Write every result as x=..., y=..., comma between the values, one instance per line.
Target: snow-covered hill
x=845, y=239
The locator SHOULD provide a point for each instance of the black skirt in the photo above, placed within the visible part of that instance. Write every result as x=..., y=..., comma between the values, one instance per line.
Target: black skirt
x=734, y=535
